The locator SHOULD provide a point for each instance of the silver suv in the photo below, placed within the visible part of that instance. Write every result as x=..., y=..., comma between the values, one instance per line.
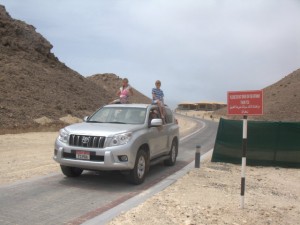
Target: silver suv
x=128, y=137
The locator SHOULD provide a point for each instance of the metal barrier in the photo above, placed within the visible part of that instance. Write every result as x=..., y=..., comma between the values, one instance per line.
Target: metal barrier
x=198, y=156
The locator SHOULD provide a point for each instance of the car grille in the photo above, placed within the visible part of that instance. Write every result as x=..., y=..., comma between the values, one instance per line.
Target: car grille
x=86, y=141
x=93, y=156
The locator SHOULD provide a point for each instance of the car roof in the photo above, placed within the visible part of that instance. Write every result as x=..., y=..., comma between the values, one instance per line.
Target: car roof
x=135, y=105
x=129, y=105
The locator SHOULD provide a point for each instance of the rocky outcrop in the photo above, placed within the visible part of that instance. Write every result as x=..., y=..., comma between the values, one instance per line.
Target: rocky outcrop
x=19, y=37
x=35, y=84
x=282, y=99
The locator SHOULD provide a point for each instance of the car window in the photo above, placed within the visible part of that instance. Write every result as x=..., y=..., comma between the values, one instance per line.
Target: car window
x=136, y=116
x=101, y=116
x=169, y=115
x=119, y=115
x=153, y=114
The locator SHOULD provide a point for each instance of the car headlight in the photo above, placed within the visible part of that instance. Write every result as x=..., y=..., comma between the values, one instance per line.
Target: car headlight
x=120, y=139
x=63, y=136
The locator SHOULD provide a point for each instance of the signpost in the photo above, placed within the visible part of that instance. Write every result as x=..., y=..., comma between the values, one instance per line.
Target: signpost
x=244, y=103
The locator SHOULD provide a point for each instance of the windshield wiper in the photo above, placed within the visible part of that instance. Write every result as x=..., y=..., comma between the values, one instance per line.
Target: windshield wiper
x=94, y=122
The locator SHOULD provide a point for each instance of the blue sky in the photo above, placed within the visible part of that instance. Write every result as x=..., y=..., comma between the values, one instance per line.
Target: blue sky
x=198, y=49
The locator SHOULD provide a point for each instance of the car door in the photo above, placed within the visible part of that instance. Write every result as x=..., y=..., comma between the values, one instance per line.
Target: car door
x=157, y=137
x=171, y=129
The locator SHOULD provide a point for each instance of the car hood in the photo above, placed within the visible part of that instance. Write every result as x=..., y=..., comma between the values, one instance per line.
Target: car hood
x=101, y=129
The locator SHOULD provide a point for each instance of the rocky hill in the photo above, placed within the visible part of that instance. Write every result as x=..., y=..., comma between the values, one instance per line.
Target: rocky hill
x=281, y=100
x=35, y=86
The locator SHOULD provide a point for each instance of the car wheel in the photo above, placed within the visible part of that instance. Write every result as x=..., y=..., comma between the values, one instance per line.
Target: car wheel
x=138, y=173
x=172, y=155
x=71, y=171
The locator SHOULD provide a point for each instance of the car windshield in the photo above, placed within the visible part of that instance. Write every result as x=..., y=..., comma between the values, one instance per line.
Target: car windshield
x=120, y=115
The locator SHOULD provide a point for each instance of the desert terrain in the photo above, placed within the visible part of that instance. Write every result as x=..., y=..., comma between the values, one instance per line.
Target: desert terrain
x=211, y=195
x=40, y=93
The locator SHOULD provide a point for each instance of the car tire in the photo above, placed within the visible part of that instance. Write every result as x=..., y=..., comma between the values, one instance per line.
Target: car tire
x=138, y=173
x=71, y=171
x=172, y=154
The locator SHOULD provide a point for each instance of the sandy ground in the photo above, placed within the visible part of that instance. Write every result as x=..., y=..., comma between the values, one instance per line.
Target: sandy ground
x=209, y=195
x=28, y=155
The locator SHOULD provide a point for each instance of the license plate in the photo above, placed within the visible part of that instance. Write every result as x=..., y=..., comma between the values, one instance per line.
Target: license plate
x=83, y=155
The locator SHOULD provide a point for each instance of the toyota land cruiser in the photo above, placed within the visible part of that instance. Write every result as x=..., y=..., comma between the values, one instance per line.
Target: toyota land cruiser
x=124, y=137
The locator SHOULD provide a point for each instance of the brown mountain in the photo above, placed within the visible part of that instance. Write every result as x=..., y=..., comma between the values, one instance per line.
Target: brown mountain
x=35, y=84
x=281, y=100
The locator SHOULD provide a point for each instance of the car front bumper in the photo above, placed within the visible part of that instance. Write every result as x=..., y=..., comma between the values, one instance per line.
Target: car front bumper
x=109, y=157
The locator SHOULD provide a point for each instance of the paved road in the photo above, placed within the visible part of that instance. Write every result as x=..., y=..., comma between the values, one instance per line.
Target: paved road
x=56, y=199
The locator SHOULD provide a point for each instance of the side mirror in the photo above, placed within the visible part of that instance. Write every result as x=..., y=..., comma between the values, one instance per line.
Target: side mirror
x=85, y=118
x=156, y=123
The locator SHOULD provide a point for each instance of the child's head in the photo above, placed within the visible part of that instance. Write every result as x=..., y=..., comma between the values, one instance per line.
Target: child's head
x=125, y=81
x=157, y=83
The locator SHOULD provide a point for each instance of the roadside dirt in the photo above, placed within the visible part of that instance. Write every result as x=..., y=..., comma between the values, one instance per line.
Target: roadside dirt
x=26, y=155
x=211, y=195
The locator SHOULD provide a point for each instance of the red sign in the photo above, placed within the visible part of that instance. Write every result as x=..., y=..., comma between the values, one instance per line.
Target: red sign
x=245, y=102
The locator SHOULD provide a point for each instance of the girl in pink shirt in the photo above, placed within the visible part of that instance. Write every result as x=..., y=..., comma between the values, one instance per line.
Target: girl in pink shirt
x=124, y=92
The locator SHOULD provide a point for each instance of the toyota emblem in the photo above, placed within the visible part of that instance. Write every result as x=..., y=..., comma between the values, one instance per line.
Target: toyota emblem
x=85, y=140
